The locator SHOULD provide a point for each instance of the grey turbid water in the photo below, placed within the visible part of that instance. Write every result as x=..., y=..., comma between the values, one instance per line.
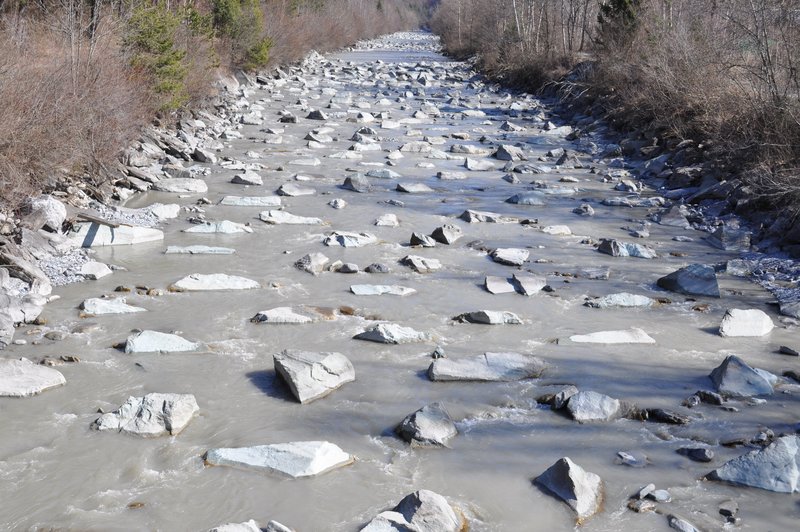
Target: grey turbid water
x=57, y=473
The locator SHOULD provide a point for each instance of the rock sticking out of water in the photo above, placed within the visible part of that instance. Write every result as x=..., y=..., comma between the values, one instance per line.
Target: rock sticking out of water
x=311, y=376
x=295, y=460
x=487, y=367
x=22, y=378
x=155, y=414
x=580, y=489
x=430, y=426
x=422, y=511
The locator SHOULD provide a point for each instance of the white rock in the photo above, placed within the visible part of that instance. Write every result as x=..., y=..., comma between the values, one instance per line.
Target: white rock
x=622, y=299
x=381, y=289
x=99, y=306
x=285, y=218
x=414, y=188
x=285, y=315
x=490, y=317
x=295, y=459
x=96, y=235
x=592, y=406
x=510, y=256
x=213, y=281
x=313, y=263
x=155, y=414
x=349, y=240
x=198, y=250
x=247, y=526
x=52, y=211
x=477, y=165
x=164, y=211
x=158, y=342
x=632, y=336
x=247, y=178
x=181, y=185
x=421, y=264
x=251, y=201
x=422, y=511
x=487, y=367
x=529, y=285
x=580, y=489
x=94, y=270
x=22, y=378
x=225, y=227
x=391, y=333
x=557, y=230
x=311, y=376
x=750, y=322
x=387, y=220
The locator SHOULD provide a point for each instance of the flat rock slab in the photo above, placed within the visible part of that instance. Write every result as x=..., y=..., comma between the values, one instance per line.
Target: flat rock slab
x=489, y=317
x=155, y=414
x=773, y=468
x=528, y=285
x=735, y=378
x=430, y=426
x=421, y=511
x=292, y=190
x=198, y=250
x=94, y=270
x=473, y=217
x=510, y=256
x=421, y=264
x=99, y=306
x=296, y=459
x=580, y=489
x=622, y=300
x=180, y=185
x=592, y=406
x=349, y=240
x=197, y=282
x=534, y=199
x=247, y=178
x=311, y=375
x=693, y=280
x=413, y=188
x=251, y=201
x=22, y=378
x=391, y=333
x=284, y=218
x=158, y=342
x=225, y=227
x=381, y=289
x=287, y=315
x=498, y=285
x=749, y=322
x=500, y=367
x=631, y=336
x=96, y=235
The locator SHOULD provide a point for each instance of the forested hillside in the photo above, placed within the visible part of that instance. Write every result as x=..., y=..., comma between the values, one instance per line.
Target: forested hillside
x=721, y=74
x=78, y=78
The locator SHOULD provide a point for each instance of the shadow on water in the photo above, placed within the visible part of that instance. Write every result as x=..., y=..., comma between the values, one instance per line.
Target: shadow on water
x=268, y=382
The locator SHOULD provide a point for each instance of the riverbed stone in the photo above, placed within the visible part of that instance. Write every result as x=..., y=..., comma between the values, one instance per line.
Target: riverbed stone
x=693, y=280
x=213, y=281
x=155, y=414
x=225, y=227
x=181, y=186
x=313, y=263
x=247, y=526
x=198, y=250
x=380, y=289
x=421, y=264
x=745, y=322
x=100, y=306
x=348, y=239
x=91, y=235
x=616, y=248
x=510, y=256
x=293, y=190
x=631, y=336
x=499, y=367
x=158, y=342
x=621, y=300
x=286, y=315
x=94, y=270
x=586, y=406
x=413, y=188
x=735, y=378
x=580, y=489
x=22, y=378
x=489, y=317
x=430, y=426
x=295, y=459
x=247, y=178
x=420, y=240
x=447, y=234
x=276, y=217
x=534, y=199
x=391, y=333
x=421, y=511
x=251, y=201
x=773, y=468
x=312, y=375
x=387, y=220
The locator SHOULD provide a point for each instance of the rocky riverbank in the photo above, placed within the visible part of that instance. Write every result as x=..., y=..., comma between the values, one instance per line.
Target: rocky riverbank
x=552, y=331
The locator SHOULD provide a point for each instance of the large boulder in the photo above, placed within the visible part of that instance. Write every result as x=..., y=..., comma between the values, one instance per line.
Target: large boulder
x=295, y=459
x=430, y=426
x=421, y=511
x=749, y=322
x=155, y=414
x=311, y=376
x=693, y=280
x=91, y=235
x=100, y=306
x=774, y=468
x=213, y=281
x=158, y=342
x=349, y=240
x=487, y=367
x=22, y=378
x=592, y=406
x=447, y=234
x=391, y=333
x=580, y=489
x=510, y=256
x=50, y=211
x=632, y=336
x=734, y=378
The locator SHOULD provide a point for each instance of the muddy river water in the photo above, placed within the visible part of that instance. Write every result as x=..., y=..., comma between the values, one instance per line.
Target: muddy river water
x=58, y=474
